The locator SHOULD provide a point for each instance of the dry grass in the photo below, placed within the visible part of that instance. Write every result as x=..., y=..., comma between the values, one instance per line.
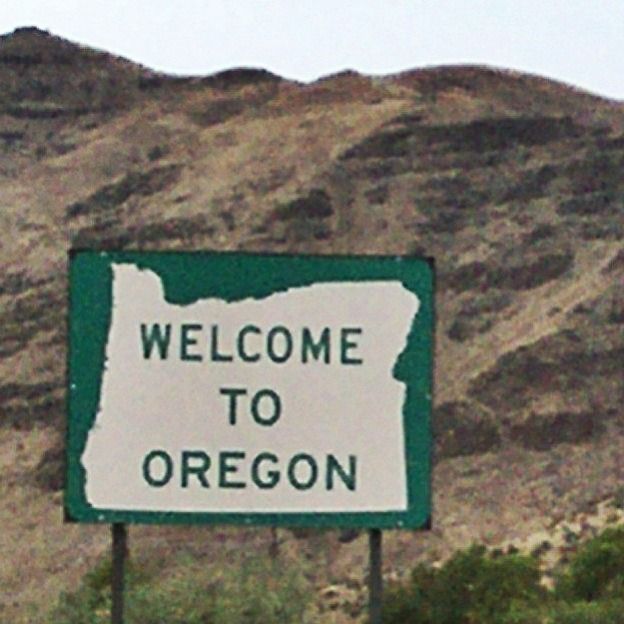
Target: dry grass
x=483, y=169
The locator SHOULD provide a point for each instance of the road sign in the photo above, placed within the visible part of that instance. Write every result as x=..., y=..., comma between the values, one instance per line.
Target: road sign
x=249, y=389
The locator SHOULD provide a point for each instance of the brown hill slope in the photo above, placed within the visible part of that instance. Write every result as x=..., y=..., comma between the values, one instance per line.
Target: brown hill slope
x=511, y=181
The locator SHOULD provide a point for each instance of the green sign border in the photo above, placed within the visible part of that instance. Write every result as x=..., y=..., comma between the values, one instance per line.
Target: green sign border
x=233, y=276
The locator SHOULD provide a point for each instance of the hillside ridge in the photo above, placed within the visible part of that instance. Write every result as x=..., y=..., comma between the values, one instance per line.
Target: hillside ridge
x=511, y=182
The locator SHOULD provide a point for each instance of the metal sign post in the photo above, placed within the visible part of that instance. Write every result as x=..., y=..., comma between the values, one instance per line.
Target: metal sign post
x=375, y=581
x=119, y=535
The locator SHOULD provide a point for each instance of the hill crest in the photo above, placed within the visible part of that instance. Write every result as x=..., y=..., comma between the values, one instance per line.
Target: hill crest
x=512, y=182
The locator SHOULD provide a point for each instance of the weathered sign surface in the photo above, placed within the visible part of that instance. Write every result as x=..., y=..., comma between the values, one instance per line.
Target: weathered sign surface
x=239, y=388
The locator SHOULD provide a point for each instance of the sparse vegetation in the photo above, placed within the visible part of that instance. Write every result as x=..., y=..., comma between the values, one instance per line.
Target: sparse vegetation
x=511, y=182
x=474, y=587
x=470, y=588
x=597, y=570
x=250, y=591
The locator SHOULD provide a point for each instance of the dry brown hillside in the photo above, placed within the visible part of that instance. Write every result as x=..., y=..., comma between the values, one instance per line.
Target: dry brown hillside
x=512, y=182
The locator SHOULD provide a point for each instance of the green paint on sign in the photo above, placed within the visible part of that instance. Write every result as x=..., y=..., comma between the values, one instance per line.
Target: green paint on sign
x=188, y=278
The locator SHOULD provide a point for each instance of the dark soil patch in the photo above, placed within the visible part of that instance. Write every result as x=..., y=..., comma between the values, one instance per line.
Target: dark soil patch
x=598, y=173
x=275, y=179
x=501, y=133
x=446, y=220
x=240, y=77
x=533, y=184
x=480, y=136
x=478, y=315
x=225, y=108
x=611, y=143
x=50, y=471
x=49, y=411
x=466, y=161
x=604, y=229
x=23, y=111
x=112, y=234
x=540, y=432
x=461, y=429
x=12, y=137
x=449, y=212
x=562, y=363
x=135, y=183
x=301, y=220
x=19, y=282
x=315, y=205
x=533, y=272
x=540, y=232
x=26, y=392
x=24, y=405
x=218, y=112
x=21, y=60
x=228, y=219
x=176, y=228
x=379, y=169
x=384, y=144
x=462, y=329
x=607, y=309
x=450, y=185
x=157, y=152
x=26, y=316
x=377, y=195
x=616, y=263
x=599, y=204
x=98, y=238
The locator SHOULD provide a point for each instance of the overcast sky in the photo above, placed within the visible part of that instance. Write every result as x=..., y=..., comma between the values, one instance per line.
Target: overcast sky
x=578, y=41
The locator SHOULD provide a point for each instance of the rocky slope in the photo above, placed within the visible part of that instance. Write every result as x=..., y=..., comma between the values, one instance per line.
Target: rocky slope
x=512, y=182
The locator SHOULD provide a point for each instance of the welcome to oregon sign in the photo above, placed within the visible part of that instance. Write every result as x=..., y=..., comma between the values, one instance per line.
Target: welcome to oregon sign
x=260, y=389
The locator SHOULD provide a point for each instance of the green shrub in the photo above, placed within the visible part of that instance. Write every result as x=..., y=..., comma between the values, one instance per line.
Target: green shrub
x=502, y=582
x=81, y=607
x=411, y=602
x=251, y=591
x=597, y=570
x=90, y=603
x=603, y=612
x=186, y=600
x=99, y=578
x=520, y=613
x=262, y=591
x=471, y=588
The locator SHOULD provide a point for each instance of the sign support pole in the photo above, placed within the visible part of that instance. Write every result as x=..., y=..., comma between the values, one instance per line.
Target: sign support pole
x=375, y=581
x=119, y=534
